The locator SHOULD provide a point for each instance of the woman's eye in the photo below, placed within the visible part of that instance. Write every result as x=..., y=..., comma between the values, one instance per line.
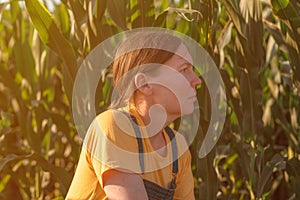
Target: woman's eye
x=185, y=68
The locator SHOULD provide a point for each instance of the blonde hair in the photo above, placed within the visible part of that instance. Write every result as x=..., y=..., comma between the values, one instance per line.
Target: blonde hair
x=135, y=52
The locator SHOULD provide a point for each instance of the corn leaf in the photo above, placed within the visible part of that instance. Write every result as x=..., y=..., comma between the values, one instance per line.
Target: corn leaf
x=143, y=13
x=235, y=15
x=52, y=36
x=288, y=11
x=117, y=11
x=6, y=160
x=293, y=168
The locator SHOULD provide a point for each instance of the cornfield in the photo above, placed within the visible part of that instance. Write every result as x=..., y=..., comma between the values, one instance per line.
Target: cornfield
x=254, y=43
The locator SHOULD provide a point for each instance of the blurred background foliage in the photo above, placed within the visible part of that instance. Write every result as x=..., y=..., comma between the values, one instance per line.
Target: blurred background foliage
x=255, y=44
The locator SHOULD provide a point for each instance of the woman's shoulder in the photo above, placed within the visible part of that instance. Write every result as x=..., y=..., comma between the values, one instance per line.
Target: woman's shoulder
x=106, y=115
x=111, y=117
x=113, y=122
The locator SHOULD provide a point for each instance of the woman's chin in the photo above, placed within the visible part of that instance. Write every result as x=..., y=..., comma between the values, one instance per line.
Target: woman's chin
x=188, y=110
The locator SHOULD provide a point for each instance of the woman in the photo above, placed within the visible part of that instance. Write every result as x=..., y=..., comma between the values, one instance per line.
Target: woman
x=129, y=151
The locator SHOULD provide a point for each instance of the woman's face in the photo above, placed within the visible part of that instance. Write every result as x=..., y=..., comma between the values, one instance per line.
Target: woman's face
x=174, y=85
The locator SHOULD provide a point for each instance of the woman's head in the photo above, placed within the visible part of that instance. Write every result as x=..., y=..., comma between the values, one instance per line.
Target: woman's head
x=155, y=69
x=140, y=49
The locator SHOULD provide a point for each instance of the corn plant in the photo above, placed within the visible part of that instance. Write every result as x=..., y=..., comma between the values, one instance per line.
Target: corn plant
x=255, y=45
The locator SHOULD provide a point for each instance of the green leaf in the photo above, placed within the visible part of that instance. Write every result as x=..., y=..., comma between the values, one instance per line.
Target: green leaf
x=117, y=11
x=34, y=139
x=182, y=12
x=279, y=5
x=25, y=62
x=46, y=142
x=64, y=18
x=7, y=159
x=102, y=5
x=230, y=160
x=49, y=93
x=60, y=173
x=61, y=122
x=160, y=21
x=223, y=40
x=288, y=11
x=106, y=90
x=8, y=80
x=52, y=36
x=275, y=32
x=15, y=10
x=78, y=8
x=4, y=182
x=293, y=169
x=41, y=18
x=2, y=6
x=143, y=13
x=278, y=162
x=251, y=8
x=164, y=4
x=235, y=15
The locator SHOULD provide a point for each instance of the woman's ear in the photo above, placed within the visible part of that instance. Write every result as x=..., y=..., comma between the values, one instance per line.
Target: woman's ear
x=141, y=83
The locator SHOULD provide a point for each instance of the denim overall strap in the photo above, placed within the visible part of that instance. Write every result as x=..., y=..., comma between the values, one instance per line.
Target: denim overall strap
x=139, y=140
x=141, y=150
x=155, y=191
x=174, y=154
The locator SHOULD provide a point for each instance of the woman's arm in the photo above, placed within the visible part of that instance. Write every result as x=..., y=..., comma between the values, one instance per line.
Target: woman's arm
x=120, y=185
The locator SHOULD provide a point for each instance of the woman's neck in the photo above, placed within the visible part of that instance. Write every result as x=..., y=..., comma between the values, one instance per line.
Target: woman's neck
x=155, y=119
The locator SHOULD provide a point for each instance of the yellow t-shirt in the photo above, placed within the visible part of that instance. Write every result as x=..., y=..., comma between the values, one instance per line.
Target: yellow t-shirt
x=110, y=143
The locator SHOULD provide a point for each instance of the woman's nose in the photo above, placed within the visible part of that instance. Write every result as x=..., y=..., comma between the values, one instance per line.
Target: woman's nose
x=195, y=80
